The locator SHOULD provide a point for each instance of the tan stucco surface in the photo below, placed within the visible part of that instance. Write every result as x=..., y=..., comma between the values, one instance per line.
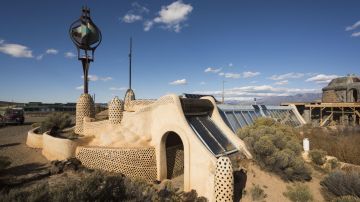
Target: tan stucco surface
x=34, y=140
x=58, y=148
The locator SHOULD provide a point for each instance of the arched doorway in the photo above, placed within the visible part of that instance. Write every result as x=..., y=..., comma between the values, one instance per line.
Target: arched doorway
x=355, y=95
x=174, y=156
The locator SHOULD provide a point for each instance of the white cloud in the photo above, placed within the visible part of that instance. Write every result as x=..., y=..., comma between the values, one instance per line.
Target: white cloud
x=52, y=51
x=106, y=78
x=171, y=16
x=179, y=82
x=246, y=92
x=135, y=13
x=15, y=50
x=291, y=75
x=322, y=78
x=117, y=89
x=202, y=83
x=148, y=25
x=355, y=34
x=352, y=27
x=283, y=82
x=80, y=87
x=2, y=41
x=230, y=75
x=92, y=77
x=97, y=78
x=130, y=18
x=212, y=70
x=69, y=55
x=250, y=74
x=231, y=64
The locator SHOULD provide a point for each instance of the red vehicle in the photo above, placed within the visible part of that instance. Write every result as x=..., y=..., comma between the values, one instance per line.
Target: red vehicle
x=13, y=115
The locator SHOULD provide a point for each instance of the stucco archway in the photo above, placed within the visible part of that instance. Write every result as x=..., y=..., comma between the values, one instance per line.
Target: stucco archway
x=354, y=95
x=170, y=140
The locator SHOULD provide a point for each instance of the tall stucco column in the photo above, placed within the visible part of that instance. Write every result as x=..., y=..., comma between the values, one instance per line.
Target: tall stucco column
x=116, y=109
x=84, y=108
x=129, y=96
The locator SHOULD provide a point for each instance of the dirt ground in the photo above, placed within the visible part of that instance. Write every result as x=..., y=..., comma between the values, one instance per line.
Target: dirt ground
x=274, y=186
x=24, y=159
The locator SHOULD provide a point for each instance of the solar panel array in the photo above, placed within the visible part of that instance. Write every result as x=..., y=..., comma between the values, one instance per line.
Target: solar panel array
x=239, y=116
x=210, y=135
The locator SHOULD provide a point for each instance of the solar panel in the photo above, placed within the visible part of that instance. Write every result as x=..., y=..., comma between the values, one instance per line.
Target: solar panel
x=211, y=135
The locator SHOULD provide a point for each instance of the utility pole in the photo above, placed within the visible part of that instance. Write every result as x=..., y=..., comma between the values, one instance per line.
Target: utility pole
x=130, y=55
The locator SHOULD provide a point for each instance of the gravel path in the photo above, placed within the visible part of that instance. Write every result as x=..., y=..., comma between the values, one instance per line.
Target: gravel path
x=23, y=158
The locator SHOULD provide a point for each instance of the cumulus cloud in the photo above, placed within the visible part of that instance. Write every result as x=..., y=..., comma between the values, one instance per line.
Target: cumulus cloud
x=322, y=78
x=250, y=74
x=171, y=16
x=291, y=75
x=69, y=55
x=79, y=87
x=247, y=92
x=15, y=50
x=283, y=82
x=179, y=82
x=130, y=18
x=212, y=70
x=117, y=89
x=135, y=13
x=52, y=51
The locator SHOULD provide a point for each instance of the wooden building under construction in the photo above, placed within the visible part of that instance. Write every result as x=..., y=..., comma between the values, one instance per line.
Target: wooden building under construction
x=340, y=104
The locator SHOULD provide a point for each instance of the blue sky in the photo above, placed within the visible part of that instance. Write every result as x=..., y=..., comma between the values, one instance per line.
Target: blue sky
x=259, y=47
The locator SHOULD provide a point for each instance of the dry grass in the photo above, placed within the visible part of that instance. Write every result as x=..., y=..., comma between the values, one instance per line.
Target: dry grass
x=343, y=143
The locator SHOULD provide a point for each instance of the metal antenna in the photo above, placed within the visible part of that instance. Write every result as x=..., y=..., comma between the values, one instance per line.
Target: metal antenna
x=130, y=54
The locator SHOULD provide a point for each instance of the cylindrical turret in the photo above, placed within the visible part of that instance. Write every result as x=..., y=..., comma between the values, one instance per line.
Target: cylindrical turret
x=116, y=109
x=84, y=108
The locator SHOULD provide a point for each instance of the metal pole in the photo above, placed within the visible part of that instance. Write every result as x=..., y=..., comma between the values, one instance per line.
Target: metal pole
x=85, y=64
x=130, y=55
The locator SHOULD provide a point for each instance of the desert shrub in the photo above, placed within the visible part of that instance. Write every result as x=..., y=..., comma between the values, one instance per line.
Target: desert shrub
x=318, y=156
x=4, y=162
x=276, y=148
x=341, y=143
x=340, y=183
x=99, y=186
x=346, y=199
x=299, y=193
x=257, y=193
x=36, y=194
x=55, y=123
x=333, y=163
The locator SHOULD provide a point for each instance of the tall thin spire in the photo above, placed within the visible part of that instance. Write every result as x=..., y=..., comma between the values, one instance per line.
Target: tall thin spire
x=130, y=55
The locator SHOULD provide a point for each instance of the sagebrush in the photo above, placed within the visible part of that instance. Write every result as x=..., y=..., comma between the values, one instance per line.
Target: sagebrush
x=341, y=183
x=299, y=193
x=318, y=156
x=55, y=122
x=100, y=186
x=276, y=148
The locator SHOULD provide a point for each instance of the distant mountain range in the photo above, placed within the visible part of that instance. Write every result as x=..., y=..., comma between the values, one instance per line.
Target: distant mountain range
x=277, y=100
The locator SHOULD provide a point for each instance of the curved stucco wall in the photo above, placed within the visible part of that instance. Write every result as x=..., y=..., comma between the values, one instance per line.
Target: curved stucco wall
x=58, y=148
x=34, y=140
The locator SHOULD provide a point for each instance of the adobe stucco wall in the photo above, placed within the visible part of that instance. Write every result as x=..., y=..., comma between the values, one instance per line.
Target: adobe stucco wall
x=34, y=140
x=58, y=148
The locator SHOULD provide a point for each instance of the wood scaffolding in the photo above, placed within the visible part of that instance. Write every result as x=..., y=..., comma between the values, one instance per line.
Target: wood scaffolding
x=332, y=109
